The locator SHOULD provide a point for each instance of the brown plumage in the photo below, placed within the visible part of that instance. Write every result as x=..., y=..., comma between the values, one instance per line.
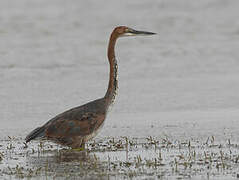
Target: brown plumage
x=78, y=125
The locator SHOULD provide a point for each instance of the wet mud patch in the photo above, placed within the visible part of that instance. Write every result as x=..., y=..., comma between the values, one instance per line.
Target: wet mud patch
x=121, y=157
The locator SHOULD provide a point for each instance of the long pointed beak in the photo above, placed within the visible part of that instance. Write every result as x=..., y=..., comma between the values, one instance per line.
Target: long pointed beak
x=142, y=33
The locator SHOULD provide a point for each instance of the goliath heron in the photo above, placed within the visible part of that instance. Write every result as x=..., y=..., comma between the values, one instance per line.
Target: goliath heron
x=78, y=125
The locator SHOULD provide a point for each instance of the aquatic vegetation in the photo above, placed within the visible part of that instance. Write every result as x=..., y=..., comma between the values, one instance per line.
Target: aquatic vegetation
x=1, y=156
x=123, y=157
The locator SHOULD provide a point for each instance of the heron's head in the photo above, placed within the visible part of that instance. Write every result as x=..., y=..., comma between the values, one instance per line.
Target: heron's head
x=123, y=31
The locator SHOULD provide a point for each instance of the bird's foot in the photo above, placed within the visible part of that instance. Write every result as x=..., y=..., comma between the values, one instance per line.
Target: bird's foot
x=78, y=149
x=81, y=148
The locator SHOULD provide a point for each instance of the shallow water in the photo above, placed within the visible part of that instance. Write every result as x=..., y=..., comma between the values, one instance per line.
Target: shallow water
x=181, y=84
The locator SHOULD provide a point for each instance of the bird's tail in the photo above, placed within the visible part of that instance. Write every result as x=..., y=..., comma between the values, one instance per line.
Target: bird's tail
x=36, y=133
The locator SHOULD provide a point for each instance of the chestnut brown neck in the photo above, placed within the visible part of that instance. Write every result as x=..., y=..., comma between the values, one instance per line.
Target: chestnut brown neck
x=113, y=82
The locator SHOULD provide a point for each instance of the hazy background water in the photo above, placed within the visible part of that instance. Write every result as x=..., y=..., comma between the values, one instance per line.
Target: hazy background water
x=183, y=81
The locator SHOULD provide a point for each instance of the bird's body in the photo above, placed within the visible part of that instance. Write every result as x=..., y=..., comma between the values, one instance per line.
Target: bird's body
x=75, y=126
x=78, y=125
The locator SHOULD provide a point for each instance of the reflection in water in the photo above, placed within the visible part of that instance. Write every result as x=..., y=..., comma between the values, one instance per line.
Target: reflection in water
x=71, y=156
x=67, y=163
